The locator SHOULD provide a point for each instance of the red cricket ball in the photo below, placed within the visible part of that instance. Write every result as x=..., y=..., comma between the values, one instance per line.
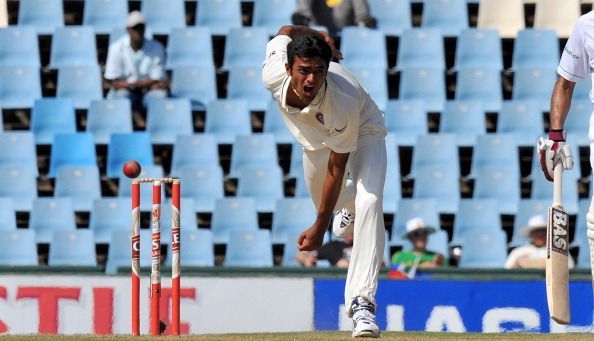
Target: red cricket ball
x=131, y=169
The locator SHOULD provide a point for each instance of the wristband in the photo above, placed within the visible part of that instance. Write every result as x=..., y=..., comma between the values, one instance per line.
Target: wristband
x=557, y=135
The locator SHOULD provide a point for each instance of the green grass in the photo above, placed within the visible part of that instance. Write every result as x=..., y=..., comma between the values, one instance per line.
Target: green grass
x=315, y=336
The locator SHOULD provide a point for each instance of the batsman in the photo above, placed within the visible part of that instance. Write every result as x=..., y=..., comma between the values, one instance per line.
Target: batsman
x=340, y=129
x=576, y=65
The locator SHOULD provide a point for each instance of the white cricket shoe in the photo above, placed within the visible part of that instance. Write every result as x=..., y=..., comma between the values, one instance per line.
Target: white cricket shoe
x=343, y=223
x=364, y=324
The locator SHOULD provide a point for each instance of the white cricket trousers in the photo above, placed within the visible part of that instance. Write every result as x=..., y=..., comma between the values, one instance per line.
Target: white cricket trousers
x=367, y=167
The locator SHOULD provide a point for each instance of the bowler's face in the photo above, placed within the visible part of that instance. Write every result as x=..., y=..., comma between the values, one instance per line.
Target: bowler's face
x=308, y=76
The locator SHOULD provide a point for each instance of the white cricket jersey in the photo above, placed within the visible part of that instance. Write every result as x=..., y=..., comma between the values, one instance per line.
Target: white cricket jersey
x=341, y=111
x=577, y=59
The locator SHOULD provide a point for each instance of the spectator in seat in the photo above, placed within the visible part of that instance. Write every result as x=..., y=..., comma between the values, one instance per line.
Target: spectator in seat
x=419, y=257
x=333, y=14
x=532, y=255
x=135, y=64
x=337, y=252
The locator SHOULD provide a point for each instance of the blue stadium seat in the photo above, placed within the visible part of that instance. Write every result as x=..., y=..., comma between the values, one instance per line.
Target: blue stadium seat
x=484, y=249
x=449, y=16
x=105, y=15
x=109, y=116
x=20, y=86
x=475, y=215
x=227, y=119
x=482, y=85
x=581, y=228
x=189, y=47
x=301, y=190
x=290, y=247
x=247, y=248
x=204, y=184
x=233, y=214
x=581, y=91
x=7, y=214
x=272, y=14
x=291, y=214
x=197, y=83
x=108, y=215
x=392, y=185
x=44, y=15
x=438, y=242
x=184, y=152
x=253, y=150
x=543, y=189
x=76, y=149
x=187, y=218
x=526, y=209
x=51, y=116
x=495, y=149
x=241, y=86
x=20, y=184
x=413, y=208
x=163, y=15
x=72, y=248
x=81, y=184
x=465, y=119
x=523, y=119
x=296, y=160
x=246, y=46
x=421, y=48
x=534, y=84
x=431, y=182
x=375, y=48
x=262, y=183
x=125, y=147
x=17, y=148
x=583, y=260
x=536, y=48
x=146, y=191
x=479, y=48
x=407, y=119
x=219, y=15
x=424, y=84
x=436, y=149
x=393, y=16
x=167, y=118
x=18, y=248
x=575, y=123
x=275, y=125
x=73, y=46
x=197, y=249
x=375, y=82
x=119, y=250
x=49, y=215
x=81, y=84
x=498, y=182
x=19, y=46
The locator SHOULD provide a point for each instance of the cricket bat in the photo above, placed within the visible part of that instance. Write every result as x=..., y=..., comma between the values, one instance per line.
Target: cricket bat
x=557, y=271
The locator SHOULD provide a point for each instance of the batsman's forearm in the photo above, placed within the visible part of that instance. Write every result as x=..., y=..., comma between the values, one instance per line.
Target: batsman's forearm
x=560, y=102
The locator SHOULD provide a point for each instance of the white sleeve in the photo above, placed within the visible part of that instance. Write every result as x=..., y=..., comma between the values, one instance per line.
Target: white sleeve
x=512, y=259
x=113, y=65
x=273, y=68
x=574, y=65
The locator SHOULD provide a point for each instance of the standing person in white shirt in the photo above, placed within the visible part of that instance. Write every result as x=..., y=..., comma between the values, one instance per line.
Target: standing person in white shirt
x=533, y=254
x=576, y=65
x=134, y=65
x=340, y=129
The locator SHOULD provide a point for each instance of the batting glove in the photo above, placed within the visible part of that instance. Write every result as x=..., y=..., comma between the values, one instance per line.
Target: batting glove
x=552, y=151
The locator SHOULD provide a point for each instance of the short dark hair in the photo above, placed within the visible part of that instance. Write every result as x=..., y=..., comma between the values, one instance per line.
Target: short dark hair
x=308, y=47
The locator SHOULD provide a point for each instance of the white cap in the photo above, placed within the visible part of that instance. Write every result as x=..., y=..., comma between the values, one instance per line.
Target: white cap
x=135, y=18
x=415, y=225
x=536, y=222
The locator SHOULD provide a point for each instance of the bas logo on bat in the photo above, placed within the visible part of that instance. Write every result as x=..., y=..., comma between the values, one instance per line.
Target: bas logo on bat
x=560, y=235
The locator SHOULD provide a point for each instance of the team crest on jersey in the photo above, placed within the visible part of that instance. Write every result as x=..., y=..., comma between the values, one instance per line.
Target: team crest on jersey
x=320, y=117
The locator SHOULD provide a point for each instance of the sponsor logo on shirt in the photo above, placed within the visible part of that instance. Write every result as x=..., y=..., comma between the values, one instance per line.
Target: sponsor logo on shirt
x=571, y=54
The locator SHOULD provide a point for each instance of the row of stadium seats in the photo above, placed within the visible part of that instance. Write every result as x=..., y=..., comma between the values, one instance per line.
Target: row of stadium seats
x=393, y=16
